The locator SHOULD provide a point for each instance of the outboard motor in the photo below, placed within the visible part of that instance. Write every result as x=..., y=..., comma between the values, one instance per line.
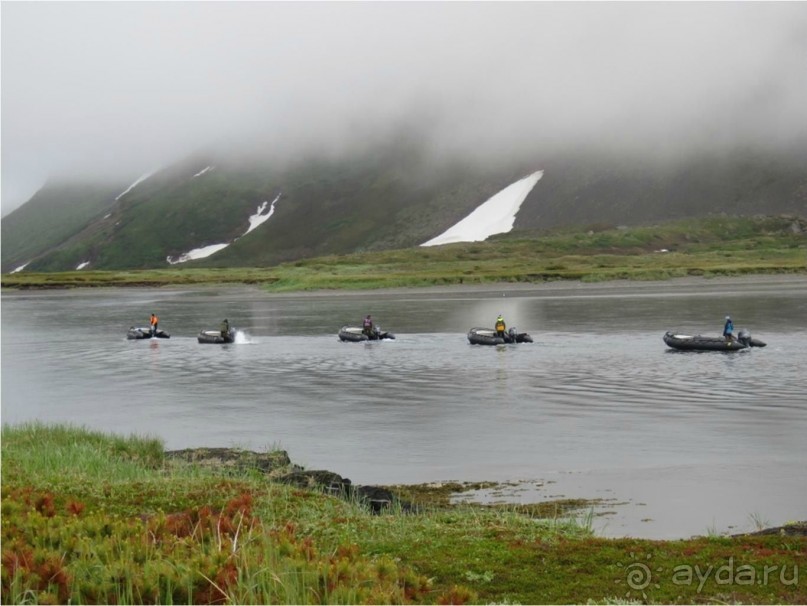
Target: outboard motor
x=744, y=337
x=513, y=334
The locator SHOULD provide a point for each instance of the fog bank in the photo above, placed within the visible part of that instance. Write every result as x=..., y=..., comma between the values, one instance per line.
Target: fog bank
x=121, y=88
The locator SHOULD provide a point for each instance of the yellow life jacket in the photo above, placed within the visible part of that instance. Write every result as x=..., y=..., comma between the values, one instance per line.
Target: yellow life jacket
x=499, y=325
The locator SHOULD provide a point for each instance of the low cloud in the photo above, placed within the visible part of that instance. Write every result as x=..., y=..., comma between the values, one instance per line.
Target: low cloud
x=105, y=89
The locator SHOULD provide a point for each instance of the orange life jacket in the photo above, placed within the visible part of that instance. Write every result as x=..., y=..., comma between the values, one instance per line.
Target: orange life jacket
x=154, y=320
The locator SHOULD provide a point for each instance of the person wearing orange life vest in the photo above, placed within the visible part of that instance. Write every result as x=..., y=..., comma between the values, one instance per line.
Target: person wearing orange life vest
x=154, y=322
x=500, y=326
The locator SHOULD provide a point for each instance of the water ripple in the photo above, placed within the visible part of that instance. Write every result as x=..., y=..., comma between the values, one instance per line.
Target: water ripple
x=425, y=406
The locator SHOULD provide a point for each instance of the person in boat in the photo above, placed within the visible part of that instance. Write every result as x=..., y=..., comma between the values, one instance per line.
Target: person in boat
x=500, y=327
x=728, y=329
x=225, y=328
x=154, y=322
x=367, y=325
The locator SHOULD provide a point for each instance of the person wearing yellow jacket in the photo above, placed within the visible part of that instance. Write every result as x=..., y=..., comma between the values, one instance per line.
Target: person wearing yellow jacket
x=500, y=326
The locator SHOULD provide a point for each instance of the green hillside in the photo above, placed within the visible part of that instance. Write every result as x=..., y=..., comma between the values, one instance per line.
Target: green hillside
x=712, y=246
x=52, y=216
x=168, y=214
x=585, y=190
x=375, y=204
x=386, y=198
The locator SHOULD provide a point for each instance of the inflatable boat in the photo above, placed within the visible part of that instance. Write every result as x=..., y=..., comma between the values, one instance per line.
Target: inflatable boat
x=145, y=333
x=215, y=336
x=700, y=343
x=488, y=336
x=356, y=334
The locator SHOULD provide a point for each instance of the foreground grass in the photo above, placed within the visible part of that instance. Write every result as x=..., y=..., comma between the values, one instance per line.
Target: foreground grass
x=724, y=246
x=91, y=518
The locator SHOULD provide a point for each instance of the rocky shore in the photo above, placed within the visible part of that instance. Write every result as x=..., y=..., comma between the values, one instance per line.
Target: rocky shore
x=795, y=529
x=277, y=467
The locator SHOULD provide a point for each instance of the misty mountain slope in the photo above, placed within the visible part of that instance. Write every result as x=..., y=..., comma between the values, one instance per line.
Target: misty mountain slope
x=390, y=196
x=585, y=191
x=53, y=215
x=209, y=209
x=381, y=198
x=174, y=210
x=336, y=208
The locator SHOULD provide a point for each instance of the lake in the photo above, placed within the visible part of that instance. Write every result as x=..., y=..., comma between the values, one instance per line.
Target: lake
x=674, y=443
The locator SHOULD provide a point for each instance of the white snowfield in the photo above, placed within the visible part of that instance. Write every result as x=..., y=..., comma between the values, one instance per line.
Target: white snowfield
x=20, y=268
x=496, y=216
x=255, y=220
x=82, y=265
x=133, y=185
x=259, y=218
x=203, y=171
x=197, y=253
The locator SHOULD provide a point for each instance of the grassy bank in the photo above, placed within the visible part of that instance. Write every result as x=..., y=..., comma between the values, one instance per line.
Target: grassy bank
x=92, y=518
x=722, y=246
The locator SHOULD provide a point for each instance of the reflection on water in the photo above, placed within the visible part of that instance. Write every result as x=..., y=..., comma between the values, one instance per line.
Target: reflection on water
x=597, y=403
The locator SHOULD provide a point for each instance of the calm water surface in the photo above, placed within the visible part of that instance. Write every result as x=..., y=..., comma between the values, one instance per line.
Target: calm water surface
x=675, y=443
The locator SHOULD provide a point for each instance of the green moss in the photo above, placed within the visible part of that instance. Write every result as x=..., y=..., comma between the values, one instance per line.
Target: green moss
x=127, y=530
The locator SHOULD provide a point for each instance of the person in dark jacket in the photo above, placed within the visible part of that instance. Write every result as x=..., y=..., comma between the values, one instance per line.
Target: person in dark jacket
x=367, y=325
x=225, y=328
x=728, y=329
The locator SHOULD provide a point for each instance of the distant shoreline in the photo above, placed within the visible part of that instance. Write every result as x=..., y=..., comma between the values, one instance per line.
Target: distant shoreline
x=504, y=288
x=559, y=285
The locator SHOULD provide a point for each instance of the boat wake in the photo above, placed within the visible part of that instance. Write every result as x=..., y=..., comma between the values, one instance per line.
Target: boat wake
x=242, y=338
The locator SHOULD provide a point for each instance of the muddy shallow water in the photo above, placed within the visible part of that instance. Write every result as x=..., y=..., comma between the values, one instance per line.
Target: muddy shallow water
x=597, y=407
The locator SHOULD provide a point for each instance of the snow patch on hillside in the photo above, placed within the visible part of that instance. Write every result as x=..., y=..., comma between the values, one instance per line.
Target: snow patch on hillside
x=137, y=182
x=203, y=171
x=197, y=253
x=20, y=268
x=259, y=218
x=255, y=220
x=496, y=216
x=82, y=265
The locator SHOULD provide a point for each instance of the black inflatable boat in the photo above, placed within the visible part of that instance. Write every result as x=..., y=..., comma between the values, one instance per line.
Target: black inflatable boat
x=146, y=333
x=356, y=334
x=488, y=336
x=701, y=343
x=215, y=336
